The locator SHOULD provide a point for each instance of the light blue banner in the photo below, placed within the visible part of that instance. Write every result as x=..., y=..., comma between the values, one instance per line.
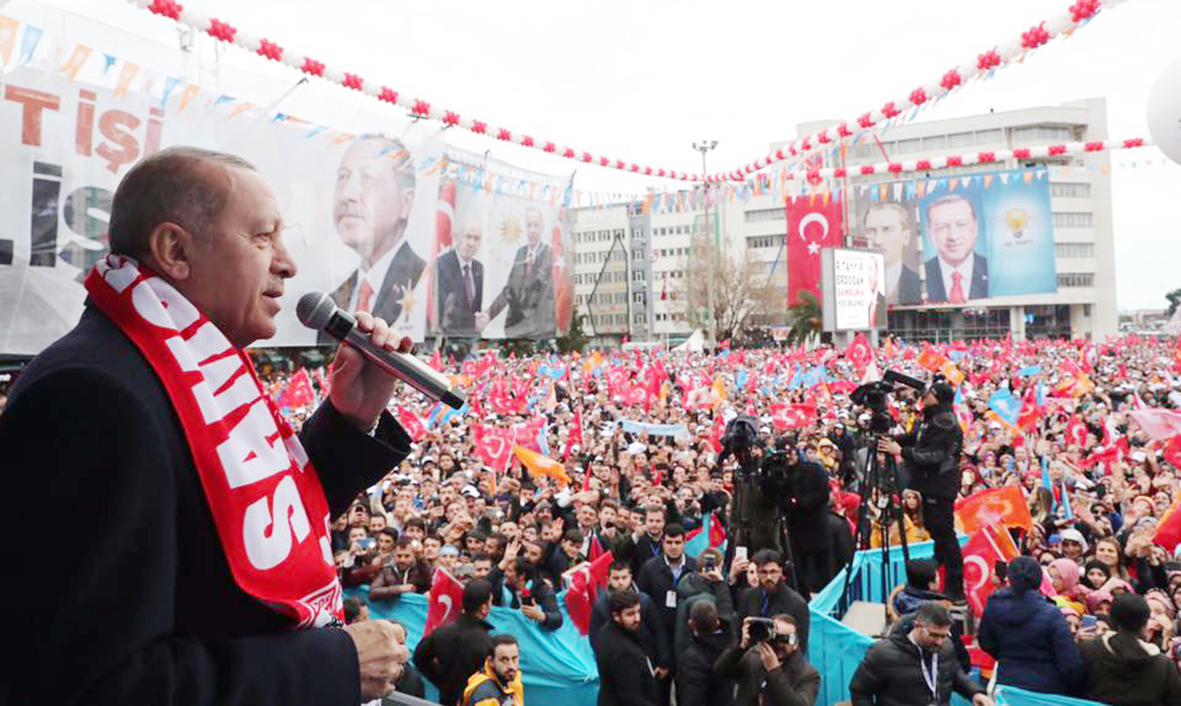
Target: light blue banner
x=633, y=427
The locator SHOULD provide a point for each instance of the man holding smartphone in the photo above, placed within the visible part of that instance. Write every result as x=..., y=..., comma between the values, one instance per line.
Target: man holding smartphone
x=769, y=666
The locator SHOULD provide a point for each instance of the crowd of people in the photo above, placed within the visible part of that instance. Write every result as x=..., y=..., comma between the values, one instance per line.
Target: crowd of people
x=646, y=468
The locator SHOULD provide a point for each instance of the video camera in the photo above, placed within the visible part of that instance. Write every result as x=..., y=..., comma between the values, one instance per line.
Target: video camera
x=874, y=396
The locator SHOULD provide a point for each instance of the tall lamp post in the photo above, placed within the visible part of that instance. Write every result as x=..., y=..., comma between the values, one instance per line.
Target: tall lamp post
x=704, y=147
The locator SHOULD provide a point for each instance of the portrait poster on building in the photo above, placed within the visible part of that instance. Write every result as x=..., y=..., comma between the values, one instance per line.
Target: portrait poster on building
x=889, y=223
x=988, y=235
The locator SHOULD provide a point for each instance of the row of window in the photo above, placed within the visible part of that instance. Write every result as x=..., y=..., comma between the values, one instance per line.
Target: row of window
x=1074, y=249
x=673, y=230
x=592, y=277
x=674, y=316
x=609, y=320
x=759, y=215
x=672, y=252
x=764, y=241
x=1070, y=190
x=1037, y=133
x=1076, y=279
x=1072, y=219
x=590, y=258
x=597, y=236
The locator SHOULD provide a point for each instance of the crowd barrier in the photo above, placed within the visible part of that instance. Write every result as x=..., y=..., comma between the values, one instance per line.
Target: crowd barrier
x=558, y=668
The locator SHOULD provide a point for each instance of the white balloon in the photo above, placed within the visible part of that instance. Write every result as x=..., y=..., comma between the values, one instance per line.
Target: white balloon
x=1164, y=111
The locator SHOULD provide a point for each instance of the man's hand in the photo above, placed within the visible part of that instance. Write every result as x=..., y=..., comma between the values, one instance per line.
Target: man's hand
x=768, y=657
x=481, y=320
x=738, y=568
x=361, y=390
x=889, y=446
x=380, y=655
x=745, y=634
x=532, y=612
x=660, y=673
x=981, y=700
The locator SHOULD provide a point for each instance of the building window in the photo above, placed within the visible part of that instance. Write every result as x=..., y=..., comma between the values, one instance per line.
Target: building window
x=908, y=146
x=1076, y=279
x=1074, y=249
x=639, y=276
x=937, y=142
x=1070, y=190
x=1072, y=219
x=987, y=137
x=1042, y=133
x=764, y=241
x=960, y=139
x=764, y=214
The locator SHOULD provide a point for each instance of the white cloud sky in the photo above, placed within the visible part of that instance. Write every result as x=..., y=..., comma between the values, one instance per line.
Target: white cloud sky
x=640, y=80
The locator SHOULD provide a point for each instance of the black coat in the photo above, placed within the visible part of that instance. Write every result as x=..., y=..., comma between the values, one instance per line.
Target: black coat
x=503, y=594
x=696, y=587
x=697, y=682
x=807, y=525
x=890, y=675
x=656, y=579
x=625, y=669
x=1126, y=673
x=451, y=654
x=794, y=683
x=1032, y=644
x=784, y=600
x=932, y=453
x=145, y=609
x=651, y=626
x=457, y=312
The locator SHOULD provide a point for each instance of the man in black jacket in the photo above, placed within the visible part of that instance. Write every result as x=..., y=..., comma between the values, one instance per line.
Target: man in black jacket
x=619, y=578
x=1125, y=670
x=773, y=672
x=521, y=588
x=627, y=676
x=148, y=608
x=454, y=652
x=773, y=596
x=932, y=455
x=807, y=523
x=698, y=684
x=659, y=579
x=915, y=667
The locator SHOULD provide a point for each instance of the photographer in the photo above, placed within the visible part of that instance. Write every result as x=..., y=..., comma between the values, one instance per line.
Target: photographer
x=769, y=666
x=706, y=584
x=932, y=455
x=772, y=596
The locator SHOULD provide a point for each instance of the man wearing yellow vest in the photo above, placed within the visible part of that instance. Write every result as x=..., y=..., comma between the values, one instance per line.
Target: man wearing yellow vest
x=499, y=683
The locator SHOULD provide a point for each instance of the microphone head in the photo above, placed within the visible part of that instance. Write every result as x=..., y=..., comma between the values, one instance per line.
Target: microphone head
x=315, y=310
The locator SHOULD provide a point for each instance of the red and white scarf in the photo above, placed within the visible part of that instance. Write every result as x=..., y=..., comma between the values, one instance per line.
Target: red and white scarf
x=265, y=496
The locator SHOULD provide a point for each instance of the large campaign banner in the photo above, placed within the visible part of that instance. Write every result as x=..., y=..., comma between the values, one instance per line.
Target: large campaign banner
x=964, y=238
x=362, y=209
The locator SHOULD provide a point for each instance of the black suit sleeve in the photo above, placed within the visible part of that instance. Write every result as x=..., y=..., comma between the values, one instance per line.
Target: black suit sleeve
x=934, y=446
x=80, y=440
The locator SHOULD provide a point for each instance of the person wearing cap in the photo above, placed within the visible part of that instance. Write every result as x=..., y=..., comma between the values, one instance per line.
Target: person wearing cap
x=1073, y=544
x=932, y=456
x=1028, y=635
x=1124, y=670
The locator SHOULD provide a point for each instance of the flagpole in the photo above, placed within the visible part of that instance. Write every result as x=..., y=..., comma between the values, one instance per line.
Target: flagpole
x=704, y=147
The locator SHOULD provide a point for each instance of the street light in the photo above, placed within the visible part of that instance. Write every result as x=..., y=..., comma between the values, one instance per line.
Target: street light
x=704, y=147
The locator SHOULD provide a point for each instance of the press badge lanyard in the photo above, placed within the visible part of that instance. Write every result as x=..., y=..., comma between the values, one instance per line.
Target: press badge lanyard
x=931, y=676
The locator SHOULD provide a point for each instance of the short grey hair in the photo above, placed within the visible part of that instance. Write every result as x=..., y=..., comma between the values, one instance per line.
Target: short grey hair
x=171, y=186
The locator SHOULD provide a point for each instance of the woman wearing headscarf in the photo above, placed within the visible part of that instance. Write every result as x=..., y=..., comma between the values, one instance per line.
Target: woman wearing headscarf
x=1064, y=576
x=1028, y=635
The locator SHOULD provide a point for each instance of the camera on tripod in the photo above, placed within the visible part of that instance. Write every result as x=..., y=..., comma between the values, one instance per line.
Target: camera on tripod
x=874, y=396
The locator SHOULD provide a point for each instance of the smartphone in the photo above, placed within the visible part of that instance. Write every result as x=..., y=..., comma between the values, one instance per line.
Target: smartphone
x=367, y=544
x=1089, y=621
x=739, y=553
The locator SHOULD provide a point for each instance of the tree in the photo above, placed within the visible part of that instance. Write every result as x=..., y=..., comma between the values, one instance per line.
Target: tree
x=575, y=338
x=1174, y=298
x=805, y=318
x=741, y=290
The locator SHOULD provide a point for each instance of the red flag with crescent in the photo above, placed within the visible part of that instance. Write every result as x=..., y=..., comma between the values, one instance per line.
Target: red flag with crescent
x=984, y=549
x=446, y=601
x=444, y=218
x=813, y=223
x=563, y=283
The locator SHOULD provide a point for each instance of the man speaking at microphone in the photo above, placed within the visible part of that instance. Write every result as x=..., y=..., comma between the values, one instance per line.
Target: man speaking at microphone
x=196, y=567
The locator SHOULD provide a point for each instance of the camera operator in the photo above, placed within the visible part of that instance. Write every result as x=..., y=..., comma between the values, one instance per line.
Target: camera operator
x=773, y=596
x=769, y=665
x=807, y=523
x=932, y=456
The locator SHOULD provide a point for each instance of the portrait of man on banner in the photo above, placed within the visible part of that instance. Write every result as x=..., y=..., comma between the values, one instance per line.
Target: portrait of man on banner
x=529, y=292
x=460, y=283
x=371, y=206
x=956, y=272
x=890, y=229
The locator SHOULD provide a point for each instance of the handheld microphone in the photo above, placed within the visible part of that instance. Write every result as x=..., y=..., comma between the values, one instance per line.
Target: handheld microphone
x=317, y=311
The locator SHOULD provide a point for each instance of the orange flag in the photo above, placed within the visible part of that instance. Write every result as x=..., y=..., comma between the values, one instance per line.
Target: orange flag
x=1003, y=506
x=539, y=465
x=1168, y=531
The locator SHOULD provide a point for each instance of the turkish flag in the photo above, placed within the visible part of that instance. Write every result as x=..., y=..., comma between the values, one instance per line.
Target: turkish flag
x=446, y=601
x=858, y=352
x=583, y=583
x=493, y=446
x=1168, y=531
x=563, y=285
x=984, y=549
x=795, y=416
x=1004, y=506
x=574, y=436
x=299, y=392
x=412, y=423
x=812, y=225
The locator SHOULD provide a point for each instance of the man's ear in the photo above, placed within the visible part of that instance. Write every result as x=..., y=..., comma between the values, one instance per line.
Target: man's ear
x=407, y=204
x=170, y=251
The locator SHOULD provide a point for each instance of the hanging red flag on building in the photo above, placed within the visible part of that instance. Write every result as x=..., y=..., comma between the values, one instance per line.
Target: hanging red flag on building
x=812, y=225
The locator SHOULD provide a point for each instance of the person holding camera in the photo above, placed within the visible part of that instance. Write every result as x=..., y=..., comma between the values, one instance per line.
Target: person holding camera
x=772, y=596
x=889, y=675
x=706, y=584
x=932, y=455
x=769, y=665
